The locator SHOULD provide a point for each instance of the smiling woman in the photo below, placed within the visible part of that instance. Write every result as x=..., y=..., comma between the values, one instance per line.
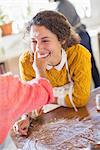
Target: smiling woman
x=67, y=63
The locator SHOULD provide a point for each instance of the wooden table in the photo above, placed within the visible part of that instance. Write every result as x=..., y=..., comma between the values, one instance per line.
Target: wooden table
x=64, y=129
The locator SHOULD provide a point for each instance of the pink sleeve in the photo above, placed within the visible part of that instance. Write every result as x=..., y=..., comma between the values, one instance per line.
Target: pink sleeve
x=41, y=93
x=17, y=97
x=23, y=97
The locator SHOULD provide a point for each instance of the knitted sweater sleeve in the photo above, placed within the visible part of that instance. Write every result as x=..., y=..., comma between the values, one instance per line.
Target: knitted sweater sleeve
x=80, y=70
x=17, y=97
x=27, y=72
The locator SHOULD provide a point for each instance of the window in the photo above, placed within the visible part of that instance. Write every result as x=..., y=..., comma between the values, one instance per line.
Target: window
x=83, y=7
x=20, y=11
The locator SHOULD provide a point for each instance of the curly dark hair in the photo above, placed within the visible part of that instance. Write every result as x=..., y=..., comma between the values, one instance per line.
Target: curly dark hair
x=58, y=24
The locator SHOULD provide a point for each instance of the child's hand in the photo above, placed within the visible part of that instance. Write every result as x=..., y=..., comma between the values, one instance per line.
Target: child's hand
x=21, y=126
x=37, y=112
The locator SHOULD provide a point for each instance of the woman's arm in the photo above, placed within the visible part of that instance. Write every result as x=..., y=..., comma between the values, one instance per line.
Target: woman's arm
x=27, y=72
x=79, y=61
x=81, y=78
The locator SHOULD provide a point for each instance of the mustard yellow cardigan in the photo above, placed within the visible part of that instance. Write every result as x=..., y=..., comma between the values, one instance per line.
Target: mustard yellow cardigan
x=79, y=63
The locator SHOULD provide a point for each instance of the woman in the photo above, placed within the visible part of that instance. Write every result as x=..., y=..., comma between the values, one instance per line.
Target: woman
x=68, y=63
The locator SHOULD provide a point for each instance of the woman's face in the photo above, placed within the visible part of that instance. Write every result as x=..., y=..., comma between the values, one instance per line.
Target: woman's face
x=46, y=43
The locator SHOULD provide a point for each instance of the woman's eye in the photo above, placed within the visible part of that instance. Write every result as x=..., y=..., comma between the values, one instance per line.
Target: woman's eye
x=34, y=42
x=45, y=41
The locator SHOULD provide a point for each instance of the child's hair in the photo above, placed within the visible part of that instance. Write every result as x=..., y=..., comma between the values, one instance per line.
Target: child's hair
x=58, y=24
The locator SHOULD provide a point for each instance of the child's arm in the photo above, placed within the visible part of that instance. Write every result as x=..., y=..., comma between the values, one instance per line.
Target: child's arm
x=17, y=98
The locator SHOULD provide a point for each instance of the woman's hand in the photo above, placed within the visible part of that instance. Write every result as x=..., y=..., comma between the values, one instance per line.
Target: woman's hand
x=21, y=127
x=39, y=65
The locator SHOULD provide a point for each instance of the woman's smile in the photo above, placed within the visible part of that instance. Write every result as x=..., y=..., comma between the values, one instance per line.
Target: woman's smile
x=43, y=54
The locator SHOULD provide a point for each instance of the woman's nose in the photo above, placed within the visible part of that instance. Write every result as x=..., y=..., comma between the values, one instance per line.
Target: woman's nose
x=39, y=47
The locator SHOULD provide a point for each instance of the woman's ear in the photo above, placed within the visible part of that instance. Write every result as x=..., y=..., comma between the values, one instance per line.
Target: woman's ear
x=63, y=42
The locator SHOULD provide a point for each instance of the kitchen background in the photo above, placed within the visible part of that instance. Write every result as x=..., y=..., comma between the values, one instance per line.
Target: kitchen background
x=17, y=12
